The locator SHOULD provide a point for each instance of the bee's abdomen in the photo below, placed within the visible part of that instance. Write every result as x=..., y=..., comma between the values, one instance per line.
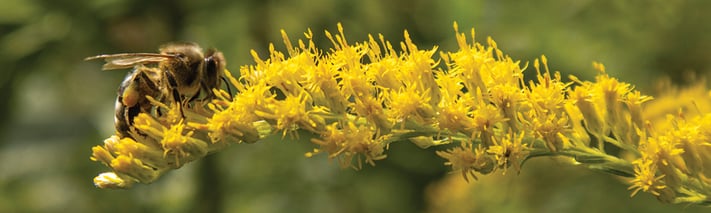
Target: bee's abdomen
x=122, y=122
x=131, y=100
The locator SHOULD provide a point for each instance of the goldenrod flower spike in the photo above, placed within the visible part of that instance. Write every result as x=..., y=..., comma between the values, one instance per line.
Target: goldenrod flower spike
x=355, y=98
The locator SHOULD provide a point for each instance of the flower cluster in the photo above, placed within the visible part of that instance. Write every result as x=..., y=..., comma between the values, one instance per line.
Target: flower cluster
x=354, y=99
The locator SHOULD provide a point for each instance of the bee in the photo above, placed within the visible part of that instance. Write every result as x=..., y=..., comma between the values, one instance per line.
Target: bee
x=180, y=73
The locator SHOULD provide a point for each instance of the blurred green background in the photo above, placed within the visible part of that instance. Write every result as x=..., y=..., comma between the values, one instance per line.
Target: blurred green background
x=55, y=106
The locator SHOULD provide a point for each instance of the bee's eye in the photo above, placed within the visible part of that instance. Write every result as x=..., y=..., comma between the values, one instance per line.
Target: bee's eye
x=210, y=64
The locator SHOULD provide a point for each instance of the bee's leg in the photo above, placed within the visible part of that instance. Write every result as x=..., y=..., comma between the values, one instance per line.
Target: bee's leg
x=153, y=91
x=159, y=113
x=229, y=91
x=131, y=113
x=193, y=98
x=151, y=83
x=174, y=88
x=124, y=121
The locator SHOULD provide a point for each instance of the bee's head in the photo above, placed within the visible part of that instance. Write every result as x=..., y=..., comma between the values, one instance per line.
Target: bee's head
x=188, y=56
x=186, y=67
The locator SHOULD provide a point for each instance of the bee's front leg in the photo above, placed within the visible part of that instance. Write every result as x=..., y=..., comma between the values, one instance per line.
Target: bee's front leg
x=173, y=86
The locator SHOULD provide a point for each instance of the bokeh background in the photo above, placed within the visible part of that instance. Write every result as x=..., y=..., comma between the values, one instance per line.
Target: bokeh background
x=54, y=106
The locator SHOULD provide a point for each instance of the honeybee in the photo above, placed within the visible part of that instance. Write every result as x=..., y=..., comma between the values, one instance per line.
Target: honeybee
x=180, y=73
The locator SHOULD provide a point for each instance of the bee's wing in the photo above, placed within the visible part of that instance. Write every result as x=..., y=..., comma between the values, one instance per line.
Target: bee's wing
x=129, y=60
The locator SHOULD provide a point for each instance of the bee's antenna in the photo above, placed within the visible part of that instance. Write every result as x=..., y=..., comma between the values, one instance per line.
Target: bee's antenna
x=229, y=91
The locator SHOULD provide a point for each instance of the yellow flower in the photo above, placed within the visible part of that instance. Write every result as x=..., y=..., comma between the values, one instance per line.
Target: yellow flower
x=485, y=118
x=289, y=114
x=578, y=131
x=110, y=180
x=372, y=109
x=410, y=102
x=351, y=144
x=665, y=153
x=592, y=116
x=131, y=162
x=182, y=145
x=354, y=99
x=470, y=61
x=468, y=160
x=233, y=117
x=322, y=85
x=611, y=94
x=135, y=168
x=646, y=179
x=547, y=127
x=634, y=102
x=454, y=116
x=509, y=151
x=546, y=96
x=510, y=99
x=417, y=71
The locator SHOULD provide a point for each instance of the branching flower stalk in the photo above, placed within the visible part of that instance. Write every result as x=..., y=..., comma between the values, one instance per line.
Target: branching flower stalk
x=354, y=99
